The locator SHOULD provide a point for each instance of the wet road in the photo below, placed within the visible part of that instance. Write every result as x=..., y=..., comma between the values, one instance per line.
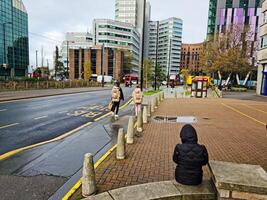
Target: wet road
x=28, y=122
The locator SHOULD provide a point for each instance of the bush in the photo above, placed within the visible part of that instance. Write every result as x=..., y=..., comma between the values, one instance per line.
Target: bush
x=151, y=92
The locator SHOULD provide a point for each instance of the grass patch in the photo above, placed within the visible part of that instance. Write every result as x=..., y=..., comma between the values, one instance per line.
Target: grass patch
x=151, y=92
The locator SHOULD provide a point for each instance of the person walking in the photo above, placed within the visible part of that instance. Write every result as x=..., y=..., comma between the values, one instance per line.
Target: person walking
x=137, y=99
x=189, y=157
x=116, y=97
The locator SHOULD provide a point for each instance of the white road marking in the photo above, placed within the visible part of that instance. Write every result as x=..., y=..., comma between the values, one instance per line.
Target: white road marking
x=3, y=110
x=40, y=117
x=62, y=112
x=9, y=125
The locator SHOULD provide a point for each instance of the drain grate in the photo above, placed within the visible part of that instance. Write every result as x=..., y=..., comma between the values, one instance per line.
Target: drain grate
x=177, y=119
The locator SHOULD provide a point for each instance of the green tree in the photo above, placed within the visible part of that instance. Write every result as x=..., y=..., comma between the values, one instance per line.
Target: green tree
x=87, y=70
x=160, y=76
x=59, y=66
x=148, y=69
x=127, y=64
x=228, y=53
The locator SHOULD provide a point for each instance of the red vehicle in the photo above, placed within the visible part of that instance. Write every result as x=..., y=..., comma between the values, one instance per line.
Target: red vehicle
x=130, y=79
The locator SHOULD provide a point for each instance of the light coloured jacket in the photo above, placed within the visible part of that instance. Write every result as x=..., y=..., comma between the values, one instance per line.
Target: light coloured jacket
x=137, y=96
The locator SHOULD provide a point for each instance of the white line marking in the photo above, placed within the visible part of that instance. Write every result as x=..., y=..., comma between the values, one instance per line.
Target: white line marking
x=62, y=112
x=40, y=117
x=3, y=110
x=10, y=125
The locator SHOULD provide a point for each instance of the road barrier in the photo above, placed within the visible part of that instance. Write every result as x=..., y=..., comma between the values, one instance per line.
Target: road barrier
x=121, y=147
x=130, y=130
x=32, y=85
x=88, y=178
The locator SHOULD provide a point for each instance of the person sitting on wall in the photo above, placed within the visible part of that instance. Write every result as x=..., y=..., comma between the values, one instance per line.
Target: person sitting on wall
x=189, y=157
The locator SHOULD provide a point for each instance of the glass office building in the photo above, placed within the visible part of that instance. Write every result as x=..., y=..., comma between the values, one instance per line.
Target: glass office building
x=14, y=42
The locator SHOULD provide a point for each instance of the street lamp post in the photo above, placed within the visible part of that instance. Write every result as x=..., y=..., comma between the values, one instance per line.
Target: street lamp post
x=102, y=64
x=143, y=45
x=156, y=65
x=169, y=66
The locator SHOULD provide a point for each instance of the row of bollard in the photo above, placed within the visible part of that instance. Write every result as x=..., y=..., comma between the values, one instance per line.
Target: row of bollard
x=88, y=178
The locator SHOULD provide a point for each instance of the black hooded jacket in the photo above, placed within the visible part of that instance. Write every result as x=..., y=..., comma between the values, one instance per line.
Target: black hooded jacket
x=189, y=157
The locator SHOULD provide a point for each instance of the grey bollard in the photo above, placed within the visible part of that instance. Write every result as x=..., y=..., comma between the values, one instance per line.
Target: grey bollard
x=153, y=105
x=88, y=178
x=157, y=101
x=160, y=96
x=149, y=109
x=121, y=147
x=140, y=122
x=145, y=115
x=130, y=131
x=163, y=95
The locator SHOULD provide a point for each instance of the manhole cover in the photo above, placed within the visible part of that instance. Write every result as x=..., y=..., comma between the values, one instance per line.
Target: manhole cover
x=177, y=119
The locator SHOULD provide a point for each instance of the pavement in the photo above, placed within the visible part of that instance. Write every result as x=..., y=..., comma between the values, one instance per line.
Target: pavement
x=26, y=94
x=232, y=130
x=50, y=170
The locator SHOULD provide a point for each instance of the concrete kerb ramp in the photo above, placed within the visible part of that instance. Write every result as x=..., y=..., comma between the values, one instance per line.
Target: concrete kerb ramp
x=229, y=181
x=166, y=190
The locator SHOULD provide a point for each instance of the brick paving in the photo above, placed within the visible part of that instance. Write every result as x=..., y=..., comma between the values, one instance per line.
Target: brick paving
x=228, y=136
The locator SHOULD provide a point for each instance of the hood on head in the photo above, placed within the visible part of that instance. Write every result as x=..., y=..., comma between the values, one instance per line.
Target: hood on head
x=188, y=134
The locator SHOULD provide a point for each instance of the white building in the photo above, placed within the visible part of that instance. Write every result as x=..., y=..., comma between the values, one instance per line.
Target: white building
x=115, y=34
x=169, y=44
x=262, y=55
x=74, y=40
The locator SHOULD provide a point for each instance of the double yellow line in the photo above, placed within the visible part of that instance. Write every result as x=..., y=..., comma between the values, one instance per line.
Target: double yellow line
x=16, y=151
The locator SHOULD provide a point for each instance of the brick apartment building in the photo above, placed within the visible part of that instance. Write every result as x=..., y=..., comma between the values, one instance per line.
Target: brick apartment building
x=190, y=57
x=113, y=61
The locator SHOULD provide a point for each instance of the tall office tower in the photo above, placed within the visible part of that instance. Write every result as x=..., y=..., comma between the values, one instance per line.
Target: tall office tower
x=169, y=44
x=225, y=14
x=130, y=11
x=120, y=35
x=14, y=42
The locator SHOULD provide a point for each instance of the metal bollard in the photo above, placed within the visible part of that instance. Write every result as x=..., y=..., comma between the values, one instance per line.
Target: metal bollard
x=140, y=122
x=145, y=115
x=121, y=147
x=88, y=178
x=130, y=131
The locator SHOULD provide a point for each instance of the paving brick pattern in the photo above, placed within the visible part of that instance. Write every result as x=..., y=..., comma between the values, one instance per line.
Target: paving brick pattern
x=228, y=136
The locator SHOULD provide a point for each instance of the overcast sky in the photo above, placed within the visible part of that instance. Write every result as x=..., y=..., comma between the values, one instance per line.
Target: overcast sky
x=53, y=18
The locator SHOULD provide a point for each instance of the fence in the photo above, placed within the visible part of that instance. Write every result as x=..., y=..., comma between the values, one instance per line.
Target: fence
x=33, y=85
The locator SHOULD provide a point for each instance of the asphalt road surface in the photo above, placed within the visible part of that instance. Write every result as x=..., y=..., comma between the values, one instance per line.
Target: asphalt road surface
x=28, y=122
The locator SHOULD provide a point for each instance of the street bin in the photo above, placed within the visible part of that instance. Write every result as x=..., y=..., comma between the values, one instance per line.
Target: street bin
x=200, y=87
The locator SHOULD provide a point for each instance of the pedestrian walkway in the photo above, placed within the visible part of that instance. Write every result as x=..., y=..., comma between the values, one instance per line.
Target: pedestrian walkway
x=26, y=94
x=228, y=136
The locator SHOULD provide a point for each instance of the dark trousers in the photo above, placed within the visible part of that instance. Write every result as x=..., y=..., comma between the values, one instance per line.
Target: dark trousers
x=115, y=107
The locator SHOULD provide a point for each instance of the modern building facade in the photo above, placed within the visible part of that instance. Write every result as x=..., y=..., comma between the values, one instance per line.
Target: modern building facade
x=119, y=35
x=131, y=11
x=226, y=14
x=167, y=35
x=14, y=42
x=111, y=58
x=74, y=40
x=262, y=55
x=190, y=58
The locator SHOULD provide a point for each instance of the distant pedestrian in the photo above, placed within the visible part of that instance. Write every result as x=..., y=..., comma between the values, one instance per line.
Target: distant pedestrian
x=189, y=157
x=137, y=98
x=116, y=97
